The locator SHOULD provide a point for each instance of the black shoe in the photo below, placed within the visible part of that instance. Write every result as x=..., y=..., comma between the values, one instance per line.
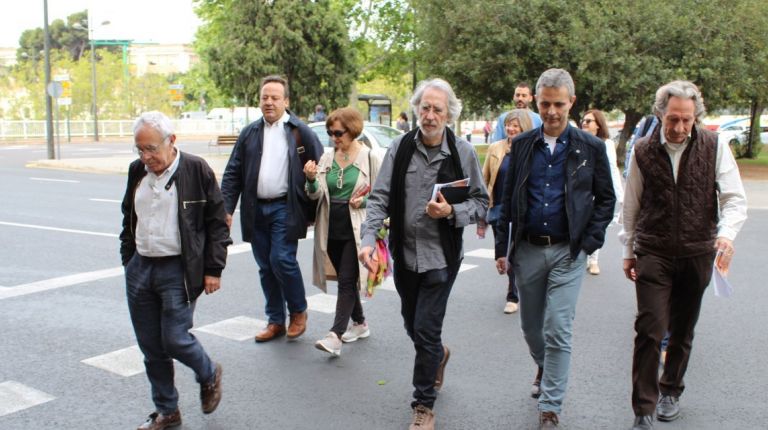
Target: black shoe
x=536, y=387
x=668, y=408
x=643, y=422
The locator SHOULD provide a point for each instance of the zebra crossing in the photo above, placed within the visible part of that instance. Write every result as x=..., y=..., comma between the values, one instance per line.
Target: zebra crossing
x=128, y=361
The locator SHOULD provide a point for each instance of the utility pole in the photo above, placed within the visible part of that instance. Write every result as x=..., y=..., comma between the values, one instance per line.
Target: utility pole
x=48, y=101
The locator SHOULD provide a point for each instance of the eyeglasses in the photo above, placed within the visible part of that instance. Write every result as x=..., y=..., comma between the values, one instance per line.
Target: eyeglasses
x=335, y=133
x=149, y=149
x=587, y=121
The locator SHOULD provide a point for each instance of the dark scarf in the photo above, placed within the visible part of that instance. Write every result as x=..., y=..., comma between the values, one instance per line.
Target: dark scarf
x=450, y=170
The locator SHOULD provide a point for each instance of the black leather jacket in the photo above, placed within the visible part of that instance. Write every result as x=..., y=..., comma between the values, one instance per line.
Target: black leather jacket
x=589, y=196
x=202, y=221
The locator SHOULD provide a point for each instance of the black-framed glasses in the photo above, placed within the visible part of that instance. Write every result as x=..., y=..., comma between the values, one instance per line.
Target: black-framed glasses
x=587, y=121
x=335, y=133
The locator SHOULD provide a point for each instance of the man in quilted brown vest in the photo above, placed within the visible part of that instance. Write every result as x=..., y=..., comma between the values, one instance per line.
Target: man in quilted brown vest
x=683, y=206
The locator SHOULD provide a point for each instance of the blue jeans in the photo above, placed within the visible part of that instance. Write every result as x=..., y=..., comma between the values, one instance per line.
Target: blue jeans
x=423, y=300
x=279, y=271
x=549, y=282
x=162, y=318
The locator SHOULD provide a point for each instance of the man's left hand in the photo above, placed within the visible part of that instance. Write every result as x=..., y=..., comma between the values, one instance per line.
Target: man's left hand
x=212, y=284
x=725, y=252
x=439, y=208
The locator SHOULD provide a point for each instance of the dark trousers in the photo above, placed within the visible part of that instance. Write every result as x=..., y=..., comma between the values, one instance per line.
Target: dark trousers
x=279, y=271
x=162, y=318
x=669, y=293
x=423, y=298
x=343, y=256
x=512, y=294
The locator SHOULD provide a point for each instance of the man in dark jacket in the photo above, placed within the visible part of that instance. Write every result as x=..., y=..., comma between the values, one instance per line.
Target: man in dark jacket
x=266, y=172
x=173, y=246
x=558, y=197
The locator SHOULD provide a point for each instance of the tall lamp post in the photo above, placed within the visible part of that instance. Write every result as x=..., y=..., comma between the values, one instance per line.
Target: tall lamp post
x=94, y=106
x=48, y=101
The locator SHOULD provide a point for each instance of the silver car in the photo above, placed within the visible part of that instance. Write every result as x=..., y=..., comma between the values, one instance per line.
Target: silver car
x=376, y=136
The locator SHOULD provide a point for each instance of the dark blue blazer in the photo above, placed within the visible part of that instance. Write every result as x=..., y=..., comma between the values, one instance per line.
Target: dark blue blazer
x=242, y=175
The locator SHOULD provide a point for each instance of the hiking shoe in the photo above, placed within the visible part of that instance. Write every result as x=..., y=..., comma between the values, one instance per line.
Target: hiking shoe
x=423, y=418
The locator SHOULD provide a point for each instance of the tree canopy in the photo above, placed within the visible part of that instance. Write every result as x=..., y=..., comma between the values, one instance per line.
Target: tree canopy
x=305, y=41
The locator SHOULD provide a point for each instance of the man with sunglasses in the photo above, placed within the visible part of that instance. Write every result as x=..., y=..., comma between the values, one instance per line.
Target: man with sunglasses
x=266, y=172
x=173, y=246
x=425, y=232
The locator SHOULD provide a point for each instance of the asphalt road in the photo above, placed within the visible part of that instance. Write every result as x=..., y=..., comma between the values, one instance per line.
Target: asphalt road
x=62, y=302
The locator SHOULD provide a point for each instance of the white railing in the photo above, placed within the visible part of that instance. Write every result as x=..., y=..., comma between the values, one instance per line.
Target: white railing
x=109, y=128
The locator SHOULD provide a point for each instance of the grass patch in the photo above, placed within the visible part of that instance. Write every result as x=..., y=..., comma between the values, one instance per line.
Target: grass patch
x=481, y=151
x=761, y=160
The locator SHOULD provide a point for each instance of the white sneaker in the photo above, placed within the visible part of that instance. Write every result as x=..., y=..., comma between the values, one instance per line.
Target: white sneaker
x=330, y=344
x=356, y=331
x=510, y=308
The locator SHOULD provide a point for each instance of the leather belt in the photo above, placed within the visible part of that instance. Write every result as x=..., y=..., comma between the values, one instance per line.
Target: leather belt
x=272, y=200
x=544, y=240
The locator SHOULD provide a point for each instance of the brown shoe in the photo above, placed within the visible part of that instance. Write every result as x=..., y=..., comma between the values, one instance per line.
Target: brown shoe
x=158, y=421
x=536, y=386
x=272, y=331
x=548, y=420
x=423, y=418
x=298, y=325
x=210, y=393
x=441, y=368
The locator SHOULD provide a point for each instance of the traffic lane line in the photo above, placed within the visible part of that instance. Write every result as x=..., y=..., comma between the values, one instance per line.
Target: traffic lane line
x=72, y=181
x=62, y=230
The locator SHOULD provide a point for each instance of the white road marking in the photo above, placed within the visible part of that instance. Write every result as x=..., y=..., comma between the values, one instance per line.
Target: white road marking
x=64, y=230
x=15, y=396
x=239, y=328
x=60, y=282
x=465, y=267
x=55, y=180
x=80, y=278
x=482, y=253
x=13, y=147
x=106, y=200
x=325, y=303
x=124, y=362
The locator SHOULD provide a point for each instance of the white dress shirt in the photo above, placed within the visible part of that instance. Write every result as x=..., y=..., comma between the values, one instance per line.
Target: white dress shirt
x=732, y=198
x=157, y=210
x=273, y=173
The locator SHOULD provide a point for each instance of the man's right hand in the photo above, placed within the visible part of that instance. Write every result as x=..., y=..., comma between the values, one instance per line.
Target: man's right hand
x=229, y=221
x=629, y=269
x=501, y=265
x=365, y=256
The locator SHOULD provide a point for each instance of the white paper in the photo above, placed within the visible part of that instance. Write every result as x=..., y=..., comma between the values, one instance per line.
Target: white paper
x=723, y=288
x=460, y=183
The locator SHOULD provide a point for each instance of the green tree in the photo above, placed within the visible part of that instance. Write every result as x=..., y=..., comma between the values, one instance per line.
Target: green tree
x=70, y=36
x=305, y=41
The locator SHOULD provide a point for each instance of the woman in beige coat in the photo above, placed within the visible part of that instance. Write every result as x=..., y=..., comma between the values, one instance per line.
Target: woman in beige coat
x=494, y=168
x=340, y=182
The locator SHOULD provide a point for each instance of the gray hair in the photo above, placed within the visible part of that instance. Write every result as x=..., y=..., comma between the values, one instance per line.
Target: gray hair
x=556, y=78
x=682, y=89
x=454, y=104
x=155, y=119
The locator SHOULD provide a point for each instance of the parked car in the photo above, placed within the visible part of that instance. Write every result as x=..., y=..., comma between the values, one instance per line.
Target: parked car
x=376, y=136
x=727, y=132
x=741, y=138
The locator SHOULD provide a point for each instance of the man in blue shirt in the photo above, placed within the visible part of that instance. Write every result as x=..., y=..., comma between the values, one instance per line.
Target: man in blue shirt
x=558, y=200
x=523, y=99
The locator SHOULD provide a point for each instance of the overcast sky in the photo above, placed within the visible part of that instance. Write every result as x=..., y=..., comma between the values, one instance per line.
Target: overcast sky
x=162, y=21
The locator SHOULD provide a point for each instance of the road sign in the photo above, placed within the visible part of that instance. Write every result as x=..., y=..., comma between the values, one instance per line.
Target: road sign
x=54, y=89
x=65, y=98
x=176, y=93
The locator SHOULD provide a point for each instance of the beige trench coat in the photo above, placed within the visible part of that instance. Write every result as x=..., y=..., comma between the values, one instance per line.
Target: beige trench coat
x=493, y=158
x=322, y=269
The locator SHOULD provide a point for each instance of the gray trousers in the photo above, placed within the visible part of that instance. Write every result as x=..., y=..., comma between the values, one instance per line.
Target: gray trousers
x=549, y=281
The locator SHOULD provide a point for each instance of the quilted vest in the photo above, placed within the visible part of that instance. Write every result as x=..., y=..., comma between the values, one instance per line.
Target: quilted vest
x=677, y=219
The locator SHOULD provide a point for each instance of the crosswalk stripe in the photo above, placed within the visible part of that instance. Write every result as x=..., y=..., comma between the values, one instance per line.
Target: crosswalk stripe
x=15, y=396
x=124, y=362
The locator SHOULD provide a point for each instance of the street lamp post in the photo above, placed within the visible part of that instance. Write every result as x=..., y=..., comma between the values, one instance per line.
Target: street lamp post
x=94, y=105
x=48, y=101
